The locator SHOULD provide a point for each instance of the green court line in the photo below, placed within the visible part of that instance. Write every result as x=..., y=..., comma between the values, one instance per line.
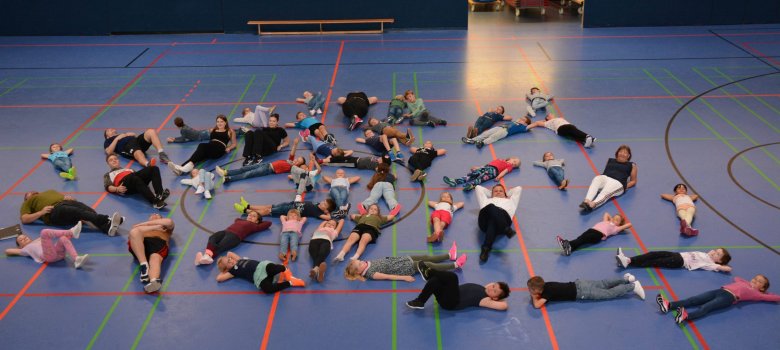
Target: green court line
x=711, y=129
x=394, y=79
x=759, y=98
x=246, y=89
x=111, y=309
x=268, y=88
x=725, y=119
x=416, y=89
x=12, y=88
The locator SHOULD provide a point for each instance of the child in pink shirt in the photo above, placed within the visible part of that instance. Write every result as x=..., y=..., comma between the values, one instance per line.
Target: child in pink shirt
x=609, y=226
x=496, y=169
x=52, y=246
x=291, y=234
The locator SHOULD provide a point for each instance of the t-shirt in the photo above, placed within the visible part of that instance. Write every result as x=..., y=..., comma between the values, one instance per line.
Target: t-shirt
x=120, y=145
x=501, y=165
x=495, y=117
x=555, y=123
x=305, y=123
x=515, y=128
x=243, y=228
x=606, y=228
x=698, y=260
x=309, y=210
x=376, y=144
x=293, y=226
x=34, y=250
x=58, y=154
x=558, y=291
x=392, y=265
x=375, y=221
x=470, y=295
x=444, y=206
x=115, y=177
x=37, y=202
x=325, y=233
x=276, y=134
x=339, y=182
x=379, y=127
x=245, y=268
x=424, y=157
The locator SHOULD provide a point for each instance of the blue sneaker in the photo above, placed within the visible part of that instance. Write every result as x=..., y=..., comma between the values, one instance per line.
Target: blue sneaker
x=449, y=182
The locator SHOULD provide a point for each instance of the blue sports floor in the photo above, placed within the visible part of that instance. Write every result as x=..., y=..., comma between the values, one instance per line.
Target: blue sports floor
x=699, y=105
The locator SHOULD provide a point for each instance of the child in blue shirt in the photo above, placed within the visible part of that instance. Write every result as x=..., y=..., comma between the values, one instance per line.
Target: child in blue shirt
x=61, y=161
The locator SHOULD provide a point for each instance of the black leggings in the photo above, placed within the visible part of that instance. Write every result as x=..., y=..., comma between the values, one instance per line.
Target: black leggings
x=267, y=285
x=222, y=241
x=494, y=221
x=591, y=236
x=68, y=213
x=424, y=118
x=319, y=249
x=443, y=285
x=571, y=131
x=138, y=182
x=256, y=142
x=658, y=259
x=211, y=150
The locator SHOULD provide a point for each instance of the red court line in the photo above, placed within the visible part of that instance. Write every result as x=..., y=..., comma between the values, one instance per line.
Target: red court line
x=269, y=323
x=332, y=82
x=24, y=289
x=760, y=54
x=617, y=206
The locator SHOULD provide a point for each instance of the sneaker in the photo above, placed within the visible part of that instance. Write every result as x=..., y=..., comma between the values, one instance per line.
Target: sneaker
x=461, y=261
x=247, y=160
x=392, y=156
x=164, y=195
x=466, y=140
x=638, y=290
x=663, y=304
x=689, y=231
x=629, y=277
x=239, y=208
x=566, y=248
x=683, y=225
x=329, y=138
x=338, y=214
x=453, y=253
x=424, y=270
x=449, y=182
x=319, y=111
x=76, y=230
x=296, y=282
x=159, y=204
x=115, y=220
x=531, y=111
x=198, y=256
x=312, y=112
x=560, y=240
x=164, y=157
x=564, y=184
x=72, y=171
x=399, y=157
x=313, y=273
x=143, y=270
x=416, y=175
x=694, y=231
x=362, y=209
x=304, y=135
x=422, y=176
x=680, y=315
x=415, y=304
x=174, y=168
x=256, y=159
x=321, y=271
x=339, y=258
x=206, y=259
x=298, y=198
x=200, y=189
x=510, y=232
x=469, y=187
x=153, y=286
x=431, y=124
x=484, y=255
x=80, y=261
x=480, y=144
x=221, y=172
x=66, y=176
x=396, y=209
x=356, y=121
x=623, y=260
x=243, y=202
x=152, y=162
x=442, y=122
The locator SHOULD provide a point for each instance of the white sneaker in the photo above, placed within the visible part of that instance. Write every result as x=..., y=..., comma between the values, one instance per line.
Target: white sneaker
x=319, y=111
x=638, y=290
x=629, y=277
x=623, y=260
x=298, y=198
x=76, y=230
x=153, y=286
x=339, y=258
x=220, y=171
x=174, y=168
x=200, y=189
x=312, y=112
x=188, y=182
x=206, y=259
x=116, y=220
x=207, y=194
x=80, y=261
x=588, y=142
x=531, y=111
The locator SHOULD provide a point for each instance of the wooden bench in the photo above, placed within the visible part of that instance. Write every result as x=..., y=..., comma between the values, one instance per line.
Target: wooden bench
x=381, y=22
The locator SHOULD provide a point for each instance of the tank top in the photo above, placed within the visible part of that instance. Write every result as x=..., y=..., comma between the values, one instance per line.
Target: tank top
x=618, y=171
x=221, y=136
x=682, y=201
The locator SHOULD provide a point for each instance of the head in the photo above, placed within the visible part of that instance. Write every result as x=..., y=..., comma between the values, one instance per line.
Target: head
x=304, y=167
x=549, y=116
x=428, y=144
x=547, y=156
x=294, y=215
x=55, y=147
x=327, y=205
x=307, y=94
x=331, y=224
x=373, y=121
x=110, y=132
x=28, y=195
x=445, y=197
x=23, y=240
x=720, y=256
x=373, y=209
x=245, y=111
x=273, y=120
x=341, y=173
x=535, y=285
x=253, y=216
x=300, y=116
x=195, y=172
x=524, y=120
x=498, y=191
x=368, y=133
x=399, y=97
x=226, y=263
x=623, y=153
x=514, y=161
x=112, y=160
x=409, y=96
x=222, y=122
x=535, y=90
x=299, y=161
x=617, y=220
x=353, y=270
x=500, y=109
x=178, y=121
x=497, y=290
x=760, y=283
x=337, y=152
x=680, y=189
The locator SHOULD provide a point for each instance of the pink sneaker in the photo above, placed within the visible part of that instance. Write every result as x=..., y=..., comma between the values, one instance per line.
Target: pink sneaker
x=683, y=226
x=454, y=251
x=304, y=135
x=396, y=210
x=361, y=209
x=461, y=261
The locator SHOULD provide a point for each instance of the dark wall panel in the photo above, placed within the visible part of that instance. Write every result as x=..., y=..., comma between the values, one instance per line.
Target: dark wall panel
x=46, y=17
x=635, y=13
x=153, y=16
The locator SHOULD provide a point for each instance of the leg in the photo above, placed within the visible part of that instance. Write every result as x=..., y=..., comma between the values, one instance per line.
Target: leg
x=284, y=243
x=658, y=259
x=709, y=301
x=687, y=215
x=294, y=238
x=155, y=266
x=223, y=243
x=388, y=193
x=571, y=131
x=488, y=173
x=249, y=171
x=612, y=188
x=351, y=240
x=340, y=195
x=365, y=238
x=140, y=157
x=319, y=249
x=150, y=135
x=264, y=210
x=444, y=285
x=136, y=184
x=63, y=163
x=68, y=213
x=373, y=196
x=136, y=239
x=261, y=115
x=588, y=237
x=595, y=290
x=556, y=174
x=595, y=186
x=56, y=251
x=267, y=285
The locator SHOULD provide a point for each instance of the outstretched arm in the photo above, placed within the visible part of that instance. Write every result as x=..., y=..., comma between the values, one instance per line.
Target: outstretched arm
x=538, y=301
x=382, y=276
x=457, y=205
x=669, y=197
x=500, y=305
x=501, y=174
x=13, y=252
x=353, y=179
x=441, y=152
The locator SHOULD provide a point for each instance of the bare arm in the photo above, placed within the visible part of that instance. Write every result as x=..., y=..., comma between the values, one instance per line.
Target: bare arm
x=625, y=227
x=339, y=226
x=285, y=143
x=538, y=301
x=441, y=152
x=413, y=149
x=507, y=117
x=501, y=174
x=325, y=216
x=353, y=179
x=327, y=179
x=360, y=140
x=69, y=151
x=289, y=125
x=348, y=152
x=606, y=217
x=724, y=268
x=382, y=276
x=669, y=197
x=300, y=100
x=432, y=204
x=535, y=124
x=112, y=145
x=458, y=205
x=30, y=218
x=233, y=142
x=45, y=155
x=694, y=197
x=13, y=252
x=294, y=148
x=632, y=182
x=224, y=276
x=500, y=305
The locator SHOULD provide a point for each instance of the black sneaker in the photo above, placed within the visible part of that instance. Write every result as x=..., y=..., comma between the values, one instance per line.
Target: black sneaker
x=480, y=144
x=431, y=124
x=143, y=269
x=663, y=304
x=443, y=122
x=415, y=304
x=467, y=140
x=483, y=256
x=164, y=195
x=330, y=139
x=159, y=204
x=424, y=270
x=510, y=232
x=566, y=247
x=247, y=160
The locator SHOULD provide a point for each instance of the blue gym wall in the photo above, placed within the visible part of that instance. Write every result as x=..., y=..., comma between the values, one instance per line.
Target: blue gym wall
x=635, y=13
x=95, y=17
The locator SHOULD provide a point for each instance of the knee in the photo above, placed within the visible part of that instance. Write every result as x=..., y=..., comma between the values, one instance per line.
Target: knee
x=365, y=239
x=135, y=233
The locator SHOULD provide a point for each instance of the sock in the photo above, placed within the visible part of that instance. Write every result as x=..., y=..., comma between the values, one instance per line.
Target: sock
x=209, y=253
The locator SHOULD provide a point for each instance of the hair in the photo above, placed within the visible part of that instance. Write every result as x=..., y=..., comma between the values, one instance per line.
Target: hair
x=545, y=155
x=259, y=217
x=224, y=118
x=378, y=209
x=220, y=263
x=408, y=92
x=726, y=256
x=52, y=145
x=275, y=116
x=366, y=132
x=352, y=274
x=535, y=283
x=29, y=194
x=381, y=175
x=504, y=290
x=331, y=204
x=17, y=240
x=293, y=211
x=503, y=110
x=105, y=134
x=498, y=185
x=112, y=154
x=534, y=88
x=678, y=186
x=622, y=219
x=766, y=284
x=527, y=120
x=178, y=122
x=441, y=196
x=399, y=97
x=625, y=147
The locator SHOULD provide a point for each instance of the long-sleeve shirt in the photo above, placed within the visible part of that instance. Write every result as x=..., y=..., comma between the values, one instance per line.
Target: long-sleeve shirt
x=416, y=107
x=744, y=292
x=508, y=204
x=547, y=164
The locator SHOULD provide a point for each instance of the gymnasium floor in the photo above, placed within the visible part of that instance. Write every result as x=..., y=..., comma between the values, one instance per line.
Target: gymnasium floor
x=699, y=105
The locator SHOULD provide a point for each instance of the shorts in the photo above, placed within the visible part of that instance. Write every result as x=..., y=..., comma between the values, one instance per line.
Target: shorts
x=135, y=144
x=443, y=215
x=363, y=229
x=152, y=245
x=314, y=127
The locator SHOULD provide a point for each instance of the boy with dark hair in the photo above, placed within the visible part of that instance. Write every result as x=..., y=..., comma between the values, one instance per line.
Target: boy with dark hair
x=542, y=292
x=452, y=296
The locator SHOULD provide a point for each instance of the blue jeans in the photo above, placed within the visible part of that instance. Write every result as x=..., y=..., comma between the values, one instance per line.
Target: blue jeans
x=482, y=124
x=708, y=301
x=340, y=195
x=317, y=102
x=189, y=134
x=320, y=147
x=604, y=289
x=288, y=239
x=556, y=174
x=254, y=170
x=395, y=114
x=62, y=163
x=381, y=189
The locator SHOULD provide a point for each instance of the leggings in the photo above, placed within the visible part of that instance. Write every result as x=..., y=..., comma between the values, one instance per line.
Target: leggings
x=424, y=118
x=138, y=182
x=687, y=214
x=56, y=251
x=211, y=150
x=267, y=285
x=68, y=213
x=443, y=285
x=591, y=236
x=222, y=241
x=256, y=142
x=434, y=261
x=494, y=221
x=658, y=259
x=479, y=175
x=319, y=249
x=606, y=187
x=708, y=301
x=571, y=131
